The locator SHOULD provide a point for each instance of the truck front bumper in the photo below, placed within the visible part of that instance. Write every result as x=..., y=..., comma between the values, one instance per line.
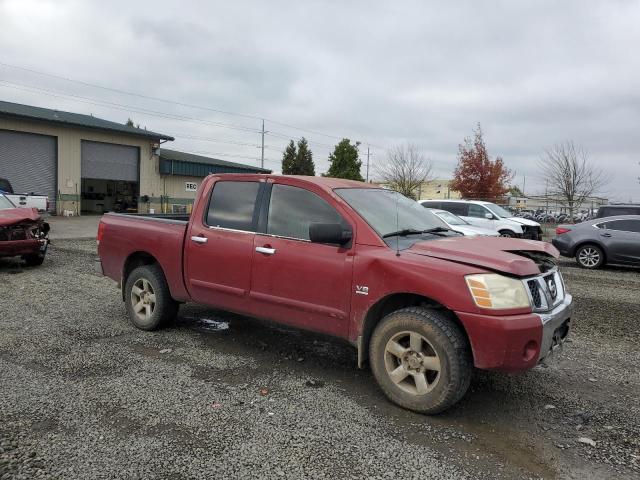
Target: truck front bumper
x=514, y=343
x=14, y=248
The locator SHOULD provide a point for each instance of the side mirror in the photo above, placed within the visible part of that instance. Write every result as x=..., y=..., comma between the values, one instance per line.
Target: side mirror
x=489, y=216
x=329, y=233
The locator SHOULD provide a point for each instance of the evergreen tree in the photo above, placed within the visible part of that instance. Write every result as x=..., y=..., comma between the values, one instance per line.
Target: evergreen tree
x=289, y=159
x=304, y=159
x=345, y=162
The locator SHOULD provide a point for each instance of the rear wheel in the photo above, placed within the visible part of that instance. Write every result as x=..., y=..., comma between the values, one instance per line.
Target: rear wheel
x=420, y=359
x=148, y=299
x=589, y=256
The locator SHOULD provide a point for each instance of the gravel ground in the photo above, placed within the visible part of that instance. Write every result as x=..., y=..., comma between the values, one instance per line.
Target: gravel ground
x=86, y=395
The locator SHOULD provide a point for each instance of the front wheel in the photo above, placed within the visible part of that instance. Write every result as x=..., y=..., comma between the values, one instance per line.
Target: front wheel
x=421, y=359
x=507, y=234
x=148, y=299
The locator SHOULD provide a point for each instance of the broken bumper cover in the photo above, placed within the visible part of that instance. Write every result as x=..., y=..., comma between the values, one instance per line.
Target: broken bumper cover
x=14, y=248
x=555, y=327
x=515, y=343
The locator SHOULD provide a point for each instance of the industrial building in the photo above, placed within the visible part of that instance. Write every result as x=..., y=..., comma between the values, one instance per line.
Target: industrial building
x=89, y=165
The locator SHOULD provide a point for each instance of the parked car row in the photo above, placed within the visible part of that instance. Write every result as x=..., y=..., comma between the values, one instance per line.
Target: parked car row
x=489, y=216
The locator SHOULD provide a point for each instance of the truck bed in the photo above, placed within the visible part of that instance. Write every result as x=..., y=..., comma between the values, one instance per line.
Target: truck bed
x=158, y=235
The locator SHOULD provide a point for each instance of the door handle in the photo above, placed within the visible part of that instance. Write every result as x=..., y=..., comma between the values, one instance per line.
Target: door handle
x=266, y=250
x=605, y=234
x=199, y=239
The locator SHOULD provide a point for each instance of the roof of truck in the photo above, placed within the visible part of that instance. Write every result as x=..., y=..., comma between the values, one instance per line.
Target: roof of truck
x=326, y=182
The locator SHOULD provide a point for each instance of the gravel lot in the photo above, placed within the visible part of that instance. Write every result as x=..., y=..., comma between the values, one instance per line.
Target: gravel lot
x=86, y=395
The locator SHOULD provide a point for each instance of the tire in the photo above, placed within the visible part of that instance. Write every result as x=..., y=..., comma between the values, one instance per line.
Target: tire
x=148, y=299
x=446, y=349
x=507, y=234
x=589, y=256
x=33, y=260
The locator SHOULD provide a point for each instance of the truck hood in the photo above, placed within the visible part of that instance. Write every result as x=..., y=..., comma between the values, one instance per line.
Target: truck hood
x=507, y=255
x=13, y=216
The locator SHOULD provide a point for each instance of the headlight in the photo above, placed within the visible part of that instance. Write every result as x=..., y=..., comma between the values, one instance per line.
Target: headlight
x=495, y=291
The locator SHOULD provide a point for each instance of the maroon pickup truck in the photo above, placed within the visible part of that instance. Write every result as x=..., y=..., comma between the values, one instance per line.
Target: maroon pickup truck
x=421, y=302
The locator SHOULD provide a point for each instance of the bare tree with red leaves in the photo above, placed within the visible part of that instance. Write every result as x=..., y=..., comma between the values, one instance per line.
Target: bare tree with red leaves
x=477, y=176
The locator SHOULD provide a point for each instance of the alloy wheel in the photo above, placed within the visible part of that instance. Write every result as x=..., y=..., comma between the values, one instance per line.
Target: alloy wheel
x=589, y=257
x=143, y=299
x=412, y=363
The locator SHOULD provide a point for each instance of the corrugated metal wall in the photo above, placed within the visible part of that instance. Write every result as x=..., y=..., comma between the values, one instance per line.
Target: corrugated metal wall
x=109, y=162
x=29, y=162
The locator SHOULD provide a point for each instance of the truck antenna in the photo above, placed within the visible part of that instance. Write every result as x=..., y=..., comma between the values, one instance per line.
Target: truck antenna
x=397, y=228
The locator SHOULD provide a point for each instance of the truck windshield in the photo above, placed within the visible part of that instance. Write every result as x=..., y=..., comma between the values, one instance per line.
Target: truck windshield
x=5, y=203
x=388, y=212
x=498, y=210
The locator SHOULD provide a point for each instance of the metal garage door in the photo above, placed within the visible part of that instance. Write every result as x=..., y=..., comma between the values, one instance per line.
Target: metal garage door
x=109, y=162
x=29, y=162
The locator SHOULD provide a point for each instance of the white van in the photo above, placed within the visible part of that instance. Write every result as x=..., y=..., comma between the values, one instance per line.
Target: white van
x=489, y=215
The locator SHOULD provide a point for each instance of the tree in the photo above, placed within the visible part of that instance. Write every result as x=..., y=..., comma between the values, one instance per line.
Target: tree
x=406, y=170
x=515, y=191
x=477, y=176
x=304, y=159
x=298, y=161
x=345, y=162
x=289, y=159
x=131, y=124
x=569, y=175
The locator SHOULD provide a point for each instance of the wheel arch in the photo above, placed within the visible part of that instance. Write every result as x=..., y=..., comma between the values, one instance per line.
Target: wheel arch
x=388, y=304
x=135, y=260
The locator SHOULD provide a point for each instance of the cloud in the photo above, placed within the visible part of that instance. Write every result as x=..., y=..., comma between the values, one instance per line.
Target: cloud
x=533, y=73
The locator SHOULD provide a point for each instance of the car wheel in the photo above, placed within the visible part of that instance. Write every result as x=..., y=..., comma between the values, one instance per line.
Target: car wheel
x=148, y=299
x=33, y=260
x=420, y=359
x=507, y=234
x=590, y=256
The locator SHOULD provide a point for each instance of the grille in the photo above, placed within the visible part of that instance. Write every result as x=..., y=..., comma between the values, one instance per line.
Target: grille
x=535, y=293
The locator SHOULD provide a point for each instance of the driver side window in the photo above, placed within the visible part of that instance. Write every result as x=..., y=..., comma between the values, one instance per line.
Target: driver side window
x=477, y=211
x=293, y=209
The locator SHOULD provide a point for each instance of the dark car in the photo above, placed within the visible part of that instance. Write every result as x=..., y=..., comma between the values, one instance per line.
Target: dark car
x=613, y=210
x=603, y=240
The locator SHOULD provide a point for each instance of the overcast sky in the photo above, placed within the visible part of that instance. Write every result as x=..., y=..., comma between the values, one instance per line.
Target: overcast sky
x=533, y=73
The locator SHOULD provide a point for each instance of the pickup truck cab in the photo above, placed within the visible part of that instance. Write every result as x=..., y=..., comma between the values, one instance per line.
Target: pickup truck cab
x=422, y=303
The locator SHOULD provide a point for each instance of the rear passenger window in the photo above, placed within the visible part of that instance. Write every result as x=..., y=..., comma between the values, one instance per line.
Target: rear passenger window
x=293, y=209
x=624, y=225
x=232, y=205
x=456, y=208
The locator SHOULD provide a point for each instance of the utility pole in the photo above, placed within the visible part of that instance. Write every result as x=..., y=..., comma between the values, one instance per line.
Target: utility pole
x=367, y=163
x=262, y=156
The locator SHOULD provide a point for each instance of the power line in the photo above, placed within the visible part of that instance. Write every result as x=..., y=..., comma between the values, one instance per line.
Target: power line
x=172, y=102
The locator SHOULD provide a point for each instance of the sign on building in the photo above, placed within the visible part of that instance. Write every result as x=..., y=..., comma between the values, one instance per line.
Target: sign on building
x=190, y=186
